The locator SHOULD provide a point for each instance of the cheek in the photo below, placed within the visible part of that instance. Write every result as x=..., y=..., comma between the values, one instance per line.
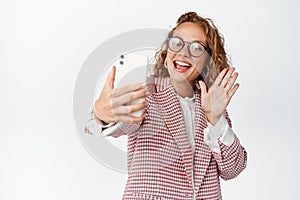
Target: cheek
x=170, y=56
x=199, y=64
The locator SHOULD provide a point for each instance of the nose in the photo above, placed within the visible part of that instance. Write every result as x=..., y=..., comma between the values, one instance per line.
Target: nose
x=185, y=51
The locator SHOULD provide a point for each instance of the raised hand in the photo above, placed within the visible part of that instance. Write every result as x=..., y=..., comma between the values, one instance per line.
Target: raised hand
x=117, y=105
x=216, y=99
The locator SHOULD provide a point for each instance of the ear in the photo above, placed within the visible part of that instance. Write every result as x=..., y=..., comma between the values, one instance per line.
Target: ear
x=165, y=56
x=165, y=62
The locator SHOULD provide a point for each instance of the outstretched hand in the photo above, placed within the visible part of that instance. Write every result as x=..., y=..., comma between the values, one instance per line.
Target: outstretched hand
x=216, y=99
x=118, y=104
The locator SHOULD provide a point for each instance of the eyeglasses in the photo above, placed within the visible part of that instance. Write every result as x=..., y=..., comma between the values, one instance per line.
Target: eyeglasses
x=176, y=44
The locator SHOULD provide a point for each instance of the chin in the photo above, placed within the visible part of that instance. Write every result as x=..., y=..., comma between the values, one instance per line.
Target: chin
x=179, y=78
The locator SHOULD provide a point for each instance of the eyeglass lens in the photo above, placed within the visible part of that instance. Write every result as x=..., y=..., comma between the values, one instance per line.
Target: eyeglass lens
x=176, y=44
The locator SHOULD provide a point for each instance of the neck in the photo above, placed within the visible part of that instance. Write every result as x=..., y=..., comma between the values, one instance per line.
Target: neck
x=183, y=89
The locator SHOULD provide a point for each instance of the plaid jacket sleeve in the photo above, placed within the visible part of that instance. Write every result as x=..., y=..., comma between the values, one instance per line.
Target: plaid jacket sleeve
x=231, y=160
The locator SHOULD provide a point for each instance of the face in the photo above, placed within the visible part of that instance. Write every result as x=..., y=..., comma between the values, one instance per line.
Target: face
x=182, y=66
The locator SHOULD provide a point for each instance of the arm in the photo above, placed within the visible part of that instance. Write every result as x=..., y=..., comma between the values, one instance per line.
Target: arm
x=230, y=156
x=97, y=127
x=114, y=129
x=232, y=160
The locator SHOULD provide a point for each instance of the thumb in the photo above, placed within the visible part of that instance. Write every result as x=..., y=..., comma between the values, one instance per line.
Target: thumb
x=203, y=87
x=109, y=83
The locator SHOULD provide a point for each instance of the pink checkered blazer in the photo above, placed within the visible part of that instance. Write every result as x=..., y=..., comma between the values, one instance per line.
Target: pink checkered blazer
x=160, y=159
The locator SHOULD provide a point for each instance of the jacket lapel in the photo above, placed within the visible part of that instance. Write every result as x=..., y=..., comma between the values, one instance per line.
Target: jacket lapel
x=172, y=115
x=203, y=154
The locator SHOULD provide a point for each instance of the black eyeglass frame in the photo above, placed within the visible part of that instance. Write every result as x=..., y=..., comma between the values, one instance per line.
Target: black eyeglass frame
x=189, y=46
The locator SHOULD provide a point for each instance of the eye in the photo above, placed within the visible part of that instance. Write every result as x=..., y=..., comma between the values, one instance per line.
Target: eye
x=197, y=49
x=176, y=42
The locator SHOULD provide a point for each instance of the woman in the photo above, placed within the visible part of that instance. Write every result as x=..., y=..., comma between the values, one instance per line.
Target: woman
x=184, y=141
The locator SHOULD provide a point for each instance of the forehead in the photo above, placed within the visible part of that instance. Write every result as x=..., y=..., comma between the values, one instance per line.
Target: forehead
x=190, y=31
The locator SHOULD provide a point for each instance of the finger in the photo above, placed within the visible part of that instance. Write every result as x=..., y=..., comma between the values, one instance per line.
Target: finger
x=129, y=97
x=219, y=79
x=130, y=119
x=203, y=87
x=109, y=83
x=137, y=96
x=233, y=90
x=231, y=81
x=129, y=109
x=227, y=77
x=129, y=88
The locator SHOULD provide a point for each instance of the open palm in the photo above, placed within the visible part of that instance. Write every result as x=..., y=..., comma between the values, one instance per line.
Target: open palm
x=216, y=99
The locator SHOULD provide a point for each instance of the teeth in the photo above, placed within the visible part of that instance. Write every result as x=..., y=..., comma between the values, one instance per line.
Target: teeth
x=182, y=63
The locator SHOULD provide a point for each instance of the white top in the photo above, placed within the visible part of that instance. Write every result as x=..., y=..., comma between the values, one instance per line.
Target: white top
x=211, y=133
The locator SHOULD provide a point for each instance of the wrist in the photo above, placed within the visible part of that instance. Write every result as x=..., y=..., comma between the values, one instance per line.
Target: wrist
x=100, y=118
x=212, y=119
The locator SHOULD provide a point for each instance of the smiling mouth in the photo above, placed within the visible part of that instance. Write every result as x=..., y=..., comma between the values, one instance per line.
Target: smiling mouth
x=181, y=66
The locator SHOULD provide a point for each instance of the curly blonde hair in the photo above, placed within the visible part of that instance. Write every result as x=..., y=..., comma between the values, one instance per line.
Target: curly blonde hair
x=217, y=59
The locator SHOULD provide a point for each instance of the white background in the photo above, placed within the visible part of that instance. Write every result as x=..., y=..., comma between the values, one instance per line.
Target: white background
x=44, y=43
